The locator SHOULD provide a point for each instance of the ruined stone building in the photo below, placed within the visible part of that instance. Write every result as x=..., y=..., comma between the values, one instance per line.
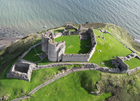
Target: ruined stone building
x=56, y=51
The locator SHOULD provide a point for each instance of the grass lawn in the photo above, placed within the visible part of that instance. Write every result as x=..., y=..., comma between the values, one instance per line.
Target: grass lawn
x=17, y=88
x=133, y=63
x=57, y=31
x=71, y=88
x=32, y=56
x=74, y=45
x=110, y=49
x=38, y=49
x=44, y=62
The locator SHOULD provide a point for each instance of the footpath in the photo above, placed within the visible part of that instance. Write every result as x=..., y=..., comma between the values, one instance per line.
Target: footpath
x=50, y=81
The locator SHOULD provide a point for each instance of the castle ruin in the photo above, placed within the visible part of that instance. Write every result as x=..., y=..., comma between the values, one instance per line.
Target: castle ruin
x=56, y=51
x=21, y=70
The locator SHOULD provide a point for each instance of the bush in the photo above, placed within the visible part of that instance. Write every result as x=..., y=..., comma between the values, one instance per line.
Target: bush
x=132, y=82
x=63, y=68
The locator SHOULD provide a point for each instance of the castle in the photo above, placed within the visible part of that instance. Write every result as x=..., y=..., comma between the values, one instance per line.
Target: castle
x=56, y=51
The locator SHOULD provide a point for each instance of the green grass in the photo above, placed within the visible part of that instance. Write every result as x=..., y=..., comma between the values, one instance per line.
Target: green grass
x=72, y=30
x=57, y=31
x=17, y=88
x=133, y=63
x=32, y=56
x=124, y=36
x=74, y=45
x=69, y=88
x=38, y=49
x=110, y=49
x=44, y=62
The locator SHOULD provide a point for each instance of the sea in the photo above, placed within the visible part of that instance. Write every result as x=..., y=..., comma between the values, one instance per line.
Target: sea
x=22, y=17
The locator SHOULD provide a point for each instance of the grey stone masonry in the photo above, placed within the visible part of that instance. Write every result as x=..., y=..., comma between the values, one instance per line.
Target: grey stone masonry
x=21, y=70
x=70, y=26
x=119, y=63
x=56, y=51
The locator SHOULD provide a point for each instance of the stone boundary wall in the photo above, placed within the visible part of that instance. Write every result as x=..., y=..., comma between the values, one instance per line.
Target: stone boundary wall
x=75, y=57
x=93, y=42
x=129, y=72
x=121, y=42
x=91, y=52
x=25, y=53
x=90, y=66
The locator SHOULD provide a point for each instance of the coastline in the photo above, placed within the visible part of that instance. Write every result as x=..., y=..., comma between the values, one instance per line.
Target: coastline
x=5, y=42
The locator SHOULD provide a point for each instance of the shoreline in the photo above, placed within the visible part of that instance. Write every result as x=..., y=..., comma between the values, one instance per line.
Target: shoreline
x=7, y=41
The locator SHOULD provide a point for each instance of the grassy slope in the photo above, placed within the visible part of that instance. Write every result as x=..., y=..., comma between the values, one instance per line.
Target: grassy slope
x=69, y=88
x=121, y=86
x=133, y=63
x=32, y=56
x=124, y=36
x=13, y=51
x=17, y=88
x=38, y=49
x=74, y=45
x=110, y=49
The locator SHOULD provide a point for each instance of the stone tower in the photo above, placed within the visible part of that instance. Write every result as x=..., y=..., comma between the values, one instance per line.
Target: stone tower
x=53, y=49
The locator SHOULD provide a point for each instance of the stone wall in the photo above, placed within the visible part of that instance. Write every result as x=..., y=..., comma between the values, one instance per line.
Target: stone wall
x=122, y=65
x=16, y=73
x=93, y=39
x=70, y=26
x=82, y=57
x=25, y=53
x=75, y=57
x=55, y=49
x=56, y=35
x=44, y=43
x=129, y=72
x=91, y=52
x=85, y=66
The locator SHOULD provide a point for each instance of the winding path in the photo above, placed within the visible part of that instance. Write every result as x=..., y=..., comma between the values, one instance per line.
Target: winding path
x=50, y=81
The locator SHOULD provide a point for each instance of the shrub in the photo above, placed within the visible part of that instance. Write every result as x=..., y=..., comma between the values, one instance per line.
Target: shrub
x=132, y=82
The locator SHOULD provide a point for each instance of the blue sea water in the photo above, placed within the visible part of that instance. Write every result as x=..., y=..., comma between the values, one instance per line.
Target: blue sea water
x=22, y=17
